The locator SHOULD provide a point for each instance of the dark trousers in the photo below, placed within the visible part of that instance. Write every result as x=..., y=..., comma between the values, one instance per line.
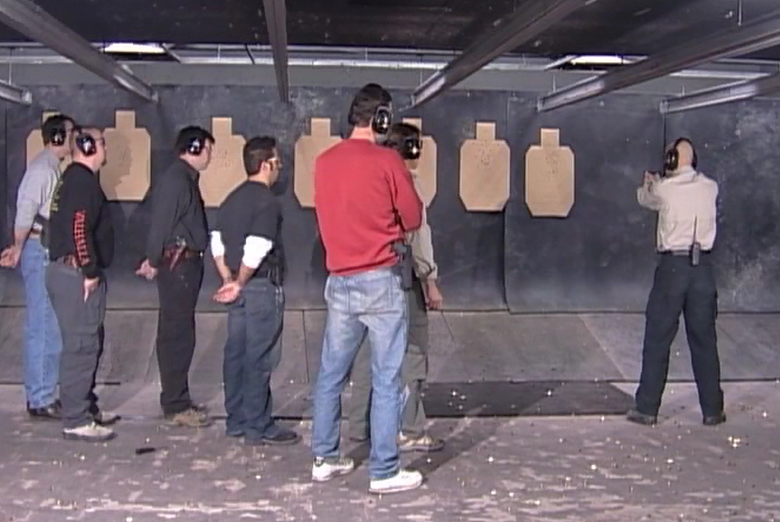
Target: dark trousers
x=678, y=288
x=82, y=335
x=414, y=370
x=178, y=293
x=252, y=352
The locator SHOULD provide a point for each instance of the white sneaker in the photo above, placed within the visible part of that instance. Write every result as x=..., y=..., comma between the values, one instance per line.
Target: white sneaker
x=404, y=480
x=91, y=432
x=325, y=469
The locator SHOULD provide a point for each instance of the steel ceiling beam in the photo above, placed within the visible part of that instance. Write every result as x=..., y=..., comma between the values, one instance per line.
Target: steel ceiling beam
x=15, y=94
x=519, y=27
x=721, y=94
x=30, y=20
x=745, y=39
x=275, y=13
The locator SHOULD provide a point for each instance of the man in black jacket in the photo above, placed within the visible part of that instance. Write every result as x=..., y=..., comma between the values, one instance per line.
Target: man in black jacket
x=81, y=247
x=174, y=250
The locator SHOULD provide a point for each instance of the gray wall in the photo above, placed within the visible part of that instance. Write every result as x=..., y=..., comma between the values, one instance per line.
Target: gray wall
x=599, y=258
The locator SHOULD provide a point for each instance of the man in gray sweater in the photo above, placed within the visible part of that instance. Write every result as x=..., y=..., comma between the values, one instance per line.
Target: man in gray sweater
x=42, y=339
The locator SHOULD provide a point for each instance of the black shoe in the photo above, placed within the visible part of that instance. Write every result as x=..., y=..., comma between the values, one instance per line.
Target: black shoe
x=641, y=418
x=276, y=436
x=51, y=412
x=714, y=420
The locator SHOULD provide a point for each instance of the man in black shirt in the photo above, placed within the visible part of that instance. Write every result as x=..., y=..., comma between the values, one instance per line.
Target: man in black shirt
x=247, y=249
x=81, y=247
x=174, y=249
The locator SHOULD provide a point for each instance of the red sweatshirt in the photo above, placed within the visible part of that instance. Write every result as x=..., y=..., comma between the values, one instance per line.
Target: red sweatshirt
x=364, y=199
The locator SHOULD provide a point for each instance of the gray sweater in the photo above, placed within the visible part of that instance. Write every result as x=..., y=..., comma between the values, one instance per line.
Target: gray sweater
x=37, y=188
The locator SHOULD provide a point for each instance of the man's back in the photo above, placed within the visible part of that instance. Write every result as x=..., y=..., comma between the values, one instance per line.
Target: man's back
x=364, y=198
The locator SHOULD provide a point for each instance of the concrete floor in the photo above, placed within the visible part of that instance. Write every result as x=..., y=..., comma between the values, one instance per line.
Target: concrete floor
x=529, y=468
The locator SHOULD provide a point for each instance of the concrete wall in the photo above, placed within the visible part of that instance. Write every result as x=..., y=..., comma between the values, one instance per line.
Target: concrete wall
x=600, y=258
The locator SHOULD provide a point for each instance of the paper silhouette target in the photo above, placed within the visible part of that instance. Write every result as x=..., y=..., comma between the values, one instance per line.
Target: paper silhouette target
x=549, y=177
x=226, y=170
x=484, y=171
x=127, y=173
x=307, y=148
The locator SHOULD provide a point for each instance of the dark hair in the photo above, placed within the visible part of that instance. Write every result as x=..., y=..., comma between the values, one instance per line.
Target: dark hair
x=192, y=132
x=365, y=103
x=399, y=133
x=256, y=151
x=52, y=125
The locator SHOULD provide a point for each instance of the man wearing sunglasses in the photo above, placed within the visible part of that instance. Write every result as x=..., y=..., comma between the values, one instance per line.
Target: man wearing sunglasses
x=247, y=247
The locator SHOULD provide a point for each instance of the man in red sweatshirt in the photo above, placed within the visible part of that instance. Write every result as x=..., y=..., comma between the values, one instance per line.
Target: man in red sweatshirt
x=365, y=201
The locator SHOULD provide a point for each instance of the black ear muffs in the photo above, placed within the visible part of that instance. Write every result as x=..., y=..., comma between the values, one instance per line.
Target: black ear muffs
x=412, y=148
x=86, y=144
x=383, y=119
x=672, y=160
x=58, y=136
x=195, y=146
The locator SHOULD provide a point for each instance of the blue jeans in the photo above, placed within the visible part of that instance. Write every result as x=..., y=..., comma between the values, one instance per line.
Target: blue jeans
x=252, y=352
x=375, y=301
x=42, y=338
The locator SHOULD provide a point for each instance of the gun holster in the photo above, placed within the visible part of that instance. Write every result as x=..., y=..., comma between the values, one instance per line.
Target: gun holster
x=404, y=267
x=41, y=225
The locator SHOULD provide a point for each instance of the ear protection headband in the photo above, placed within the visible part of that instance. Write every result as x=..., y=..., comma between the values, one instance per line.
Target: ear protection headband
x=672, y=160
x=195, y=146
x=86, y=144
x=411, y=148
x=57, y=136
x=383, y=118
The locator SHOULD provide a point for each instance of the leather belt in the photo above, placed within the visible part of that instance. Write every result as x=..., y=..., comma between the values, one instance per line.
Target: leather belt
x=681, y=253
x=169, y=252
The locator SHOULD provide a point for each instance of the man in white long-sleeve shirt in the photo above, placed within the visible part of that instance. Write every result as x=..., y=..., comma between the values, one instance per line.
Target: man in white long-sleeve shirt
x=686, y=202
x=406, y=140
x=248, y=252
x=42, y=339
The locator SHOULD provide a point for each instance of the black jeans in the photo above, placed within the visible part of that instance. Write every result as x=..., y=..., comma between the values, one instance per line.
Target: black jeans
x=679, y=287
x=252, y=353
x=178, y=292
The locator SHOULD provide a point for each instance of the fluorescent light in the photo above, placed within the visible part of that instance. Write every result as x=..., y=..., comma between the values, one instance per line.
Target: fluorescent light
x=15, y=94
x=134, y=48
x=599, y=59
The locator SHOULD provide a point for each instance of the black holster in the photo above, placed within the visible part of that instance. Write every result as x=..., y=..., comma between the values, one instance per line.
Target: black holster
x=405, y=265
x=41, y=226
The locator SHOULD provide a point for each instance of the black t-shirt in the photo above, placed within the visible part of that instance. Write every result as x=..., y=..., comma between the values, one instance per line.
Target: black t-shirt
x=251, y=210
x=80, y=223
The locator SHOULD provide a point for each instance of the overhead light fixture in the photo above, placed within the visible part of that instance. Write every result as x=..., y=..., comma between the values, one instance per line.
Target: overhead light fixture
x=521, y=26
x=721, y=94
x=598, y=59
x=761, y=34
x=15, y=94
x=134, y=48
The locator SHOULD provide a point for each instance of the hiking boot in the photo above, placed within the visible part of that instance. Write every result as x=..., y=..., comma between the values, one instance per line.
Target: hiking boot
x=425, y=443
x=190, y=418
